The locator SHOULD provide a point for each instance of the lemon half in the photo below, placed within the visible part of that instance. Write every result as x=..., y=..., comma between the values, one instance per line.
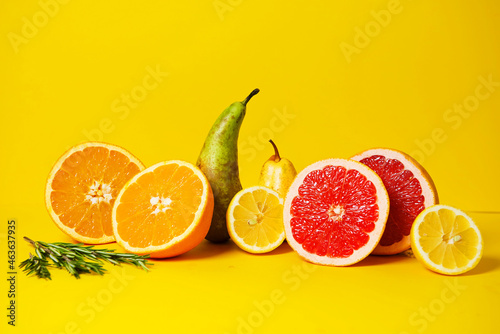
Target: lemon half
x=255, y=219
x=446, y=240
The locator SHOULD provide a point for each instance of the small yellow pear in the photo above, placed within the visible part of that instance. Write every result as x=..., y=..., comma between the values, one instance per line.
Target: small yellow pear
x=277, y=173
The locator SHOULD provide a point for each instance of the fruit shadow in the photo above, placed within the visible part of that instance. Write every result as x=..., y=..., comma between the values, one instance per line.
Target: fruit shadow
x=485, y=265
x=375, y=260
x=207, y=249
x=282, y=249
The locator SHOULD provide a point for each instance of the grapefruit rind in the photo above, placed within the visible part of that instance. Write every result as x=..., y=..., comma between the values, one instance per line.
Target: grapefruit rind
x=48, y=189
x=240, y=242
x=423, y=257
x=374, y=236
x=427, y=184
x=181, y=243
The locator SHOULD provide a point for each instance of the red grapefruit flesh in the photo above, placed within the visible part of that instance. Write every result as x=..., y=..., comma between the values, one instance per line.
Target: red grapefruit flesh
x=335, y=212
x=410, y=190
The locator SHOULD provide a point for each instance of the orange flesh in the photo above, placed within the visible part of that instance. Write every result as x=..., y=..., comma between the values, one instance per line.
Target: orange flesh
x=86, y=186
x=159, y=206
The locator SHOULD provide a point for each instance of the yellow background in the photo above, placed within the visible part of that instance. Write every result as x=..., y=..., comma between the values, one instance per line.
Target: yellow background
x=65, y=70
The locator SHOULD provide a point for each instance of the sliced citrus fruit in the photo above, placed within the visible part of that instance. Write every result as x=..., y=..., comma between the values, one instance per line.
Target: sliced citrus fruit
x=335, y=212
x=255, y=219
x=446, y=240
x=82, y=187
x=410, y=190
x=163, y=211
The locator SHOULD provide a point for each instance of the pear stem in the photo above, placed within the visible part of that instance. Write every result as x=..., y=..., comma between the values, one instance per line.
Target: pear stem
x=254, y=92
x=277, y=157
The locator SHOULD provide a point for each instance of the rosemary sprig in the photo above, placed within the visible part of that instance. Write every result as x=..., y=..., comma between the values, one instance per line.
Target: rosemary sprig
x=75, y=258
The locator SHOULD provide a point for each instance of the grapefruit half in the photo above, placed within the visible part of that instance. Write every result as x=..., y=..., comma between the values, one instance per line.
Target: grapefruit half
x=410, y=189
x=335, y=212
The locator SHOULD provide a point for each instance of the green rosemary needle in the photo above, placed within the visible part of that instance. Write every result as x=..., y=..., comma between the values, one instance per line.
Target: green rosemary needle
x=75, y=258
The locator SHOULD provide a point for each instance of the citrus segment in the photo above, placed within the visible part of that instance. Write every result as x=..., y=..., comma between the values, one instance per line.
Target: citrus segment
x=82, y=187
x=446, y=240
x=255, y=219
x=410, y=190
x=163, y=211
x=335, y=212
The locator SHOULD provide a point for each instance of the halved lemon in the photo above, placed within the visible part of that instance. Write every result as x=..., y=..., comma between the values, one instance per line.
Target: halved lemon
x=255, y=220
x=446, y=240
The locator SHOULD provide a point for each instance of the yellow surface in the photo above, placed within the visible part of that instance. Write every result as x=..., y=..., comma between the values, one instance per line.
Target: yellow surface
x=153, y=76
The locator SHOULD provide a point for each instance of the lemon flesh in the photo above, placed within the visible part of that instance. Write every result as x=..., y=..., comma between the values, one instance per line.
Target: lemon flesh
x=446, y=240
x=255, y=220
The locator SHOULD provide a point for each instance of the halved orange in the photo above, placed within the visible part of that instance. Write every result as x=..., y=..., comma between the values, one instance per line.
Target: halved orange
x=164, y=211
x=82, y=187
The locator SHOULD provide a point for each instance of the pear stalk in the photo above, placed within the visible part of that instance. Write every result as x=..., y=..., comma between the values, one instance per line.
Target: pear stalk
x=277, y=157
x=252, y=94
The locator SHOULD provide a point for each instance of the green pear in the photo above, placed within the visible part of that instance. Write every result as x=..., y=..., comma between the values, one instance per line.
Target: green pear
x=277, y=173
x=218, y=160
